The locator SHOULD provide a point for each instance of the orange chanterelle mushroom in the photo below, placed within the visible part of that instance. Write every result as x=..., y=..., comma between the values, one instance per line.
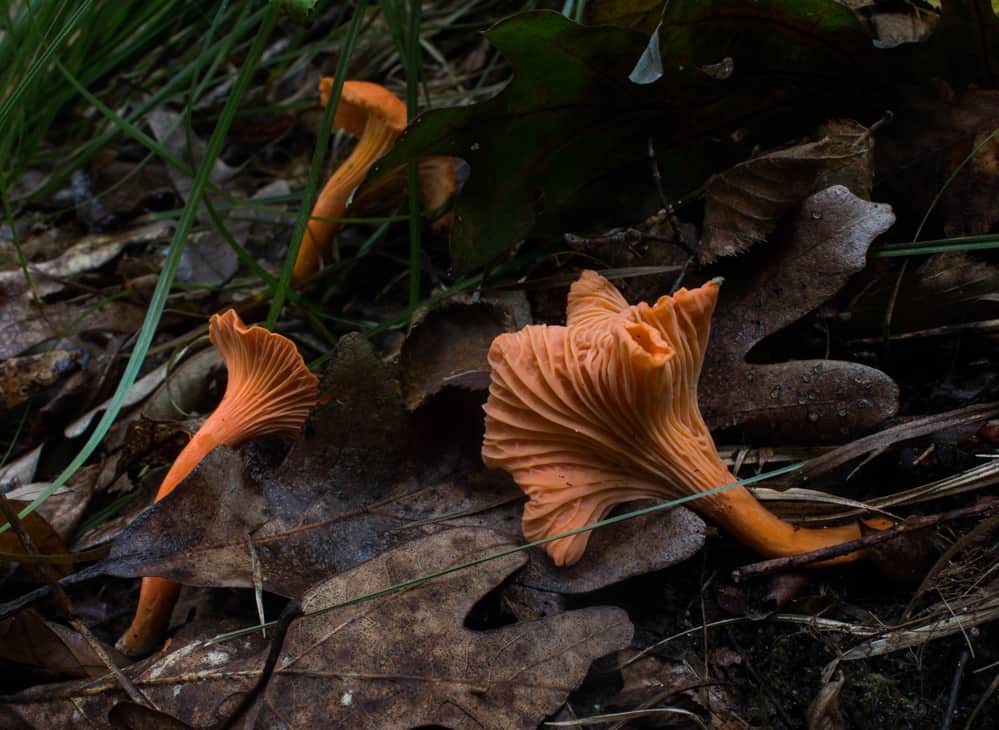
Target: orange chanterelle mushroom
x=376, y=117
x=270, y=392
x=604, y=411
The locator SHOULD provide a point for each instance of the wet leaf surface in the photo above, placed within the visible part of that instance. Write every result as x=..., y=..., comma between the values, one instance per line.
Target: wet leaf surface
x=807, y=401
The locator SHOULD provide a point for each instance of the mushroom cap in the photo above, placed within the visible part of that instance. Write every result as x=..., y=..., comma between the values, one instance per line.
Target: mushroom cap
x=361, y=101
x=603, y=410
x=270, y=390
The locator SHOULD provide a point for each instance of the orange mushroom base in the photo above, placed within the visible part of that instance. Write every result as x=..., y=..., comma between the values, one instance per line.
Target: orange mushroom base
x=604, y=411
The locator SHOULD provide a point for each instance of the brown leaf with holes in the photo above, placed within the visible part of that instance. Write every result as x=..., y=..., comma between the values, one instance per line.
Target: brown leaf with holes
x=399, y=661
x=745, y=203
x=406, y=660
x=804, y=401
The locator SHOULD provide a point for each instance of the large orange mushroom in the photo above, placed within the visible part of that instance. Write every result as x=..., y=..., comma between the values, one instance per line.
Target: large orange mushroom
x=604, y=411
x=270, y=391
x=376, y=117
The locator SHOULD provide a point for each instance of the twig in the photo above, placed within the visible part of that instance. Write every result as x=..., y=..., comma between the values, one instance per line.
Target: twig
x=955, y=690
x=910, y=524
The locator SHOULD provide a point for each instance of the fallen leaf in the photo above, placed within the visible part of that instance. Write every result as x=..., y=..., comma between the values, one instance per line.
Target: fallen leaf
x=24, y=377
x=448, y=348
x=618, y=552
x=208, y=258
x=420, y=666
x=32, y=646
x=44, y=538
x=420, y=660
x=744, y=204
x=64, y=508
x=94, y=251
x=196, y=682
x=810, y=401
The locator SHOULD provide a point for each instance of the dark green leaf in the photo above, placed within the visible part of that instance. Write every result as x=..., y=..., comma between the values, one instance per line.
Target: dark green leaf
x=564, y=147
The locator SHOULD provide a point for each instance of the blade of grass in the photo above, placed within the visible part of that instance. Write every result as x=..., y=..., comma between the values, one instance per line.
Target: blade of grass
x=162, y=291
x=325, y=131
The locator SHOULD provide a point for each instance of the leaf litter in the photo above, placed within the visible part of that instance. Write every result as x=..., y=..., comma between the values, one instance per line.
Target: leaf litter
x=764, y=153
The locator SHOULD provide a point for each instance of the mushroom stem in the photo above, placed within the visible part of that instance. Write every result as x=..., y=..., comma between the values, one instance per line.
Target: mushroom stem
x=742, y=516
x=270, y=392
x=376, y=117
x=157, y=597
x=376, y=140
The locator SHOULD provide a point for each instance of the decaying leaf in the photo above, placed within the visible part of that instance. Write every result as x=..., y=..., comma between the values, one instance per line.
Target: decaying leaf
x=804, y=400
x=43, y=537
x=23, y=377
x=930, y=139
x=745, y=203
x=419, y=665
x=824, y=712
x=350, y=488
x=32, y=646
x=448, y=348
x=64, y=508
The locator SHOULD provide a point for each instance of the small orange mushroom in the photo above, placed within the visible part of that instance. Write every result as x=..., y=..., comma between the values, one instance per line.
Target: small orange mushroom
x=604, y=411
x=270, y=392
x=376, y=117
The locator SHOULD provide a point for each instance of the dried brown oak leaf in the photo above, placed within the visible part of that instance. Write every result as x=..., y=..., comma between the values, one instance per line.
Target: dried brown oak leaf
x=406, y=660
x=349, y=489
x=745, y=203
x=801, y=400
